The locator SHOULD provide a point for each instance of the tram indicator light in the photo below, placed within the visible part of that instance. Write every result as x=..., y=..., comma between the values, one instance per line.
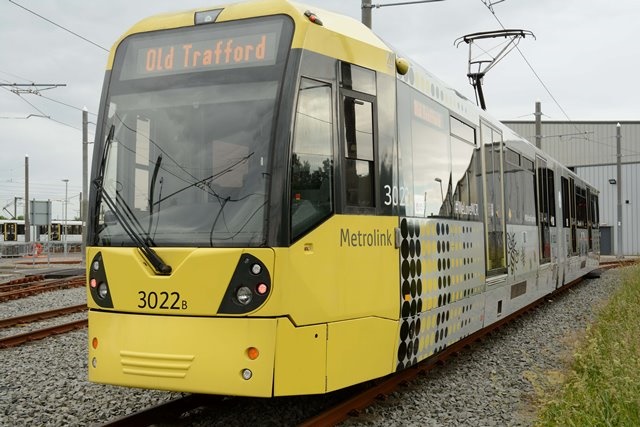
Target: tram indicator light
x=262, y=288
x=253, y=353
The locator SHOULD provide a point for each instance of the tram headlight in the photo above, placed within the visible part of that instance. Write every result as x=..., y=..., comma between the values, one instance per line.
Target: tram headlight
x=95, y=265
x=244, y=295
x=103, y=290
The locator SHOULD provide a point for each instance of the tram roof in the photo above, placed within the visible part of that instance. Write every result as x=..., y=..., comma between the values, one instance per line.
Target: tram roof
x=339, y=35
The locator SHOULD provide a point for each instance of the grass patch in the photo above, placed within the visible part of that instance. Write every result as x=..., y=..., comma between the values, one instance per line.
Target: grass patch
x=603, y=386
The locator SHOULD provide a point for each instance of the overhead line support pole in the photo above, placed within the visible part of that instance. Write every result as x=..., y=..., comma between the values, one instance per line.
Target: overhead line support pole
x=619, y=182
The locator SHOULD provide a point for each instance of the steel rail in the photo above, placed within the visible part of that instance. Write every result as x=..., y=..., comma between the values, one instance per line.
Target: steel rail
x=20, y=282
x=16, y=340
x=76, y=281
x=168, y=411
x=42, y=315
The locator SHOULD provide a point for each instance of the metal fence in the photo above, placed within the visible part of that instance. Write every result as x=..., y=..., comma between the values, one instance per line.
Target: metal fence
x=38, y=250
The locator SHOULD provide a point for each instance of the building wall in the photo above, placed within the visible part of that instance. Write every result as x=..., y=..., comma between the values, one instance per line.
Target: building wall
x=589, y=148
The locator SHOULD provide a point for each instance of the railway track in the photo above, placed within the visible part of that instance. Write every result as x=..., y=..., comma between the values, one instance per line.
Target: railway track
x=20, y=283
x=22, y=288
x=381, y=388
x=15, y=340
x=170, y=411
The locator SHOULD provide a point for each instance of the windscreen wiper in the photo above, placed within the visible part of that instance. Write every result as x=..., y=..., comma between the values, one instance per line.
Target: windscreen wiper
x=103, y=164
x=128, y=225
x=125, y=216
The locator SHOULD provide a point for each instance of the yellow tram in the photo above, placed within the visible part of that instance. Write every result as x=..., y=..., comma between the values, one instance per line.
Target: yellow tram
x=281, y=205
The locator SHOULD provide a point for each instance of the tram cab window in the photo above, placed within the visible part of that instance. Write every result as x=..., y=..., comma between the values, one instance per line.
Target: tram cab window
x=358, y=90
x=357, y=78
x=311, y=161
x=359, y=170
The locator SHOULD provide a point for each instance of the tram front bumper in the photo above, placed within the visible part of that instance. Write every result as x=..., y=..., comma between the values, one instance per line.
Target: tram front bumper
x=190, y=354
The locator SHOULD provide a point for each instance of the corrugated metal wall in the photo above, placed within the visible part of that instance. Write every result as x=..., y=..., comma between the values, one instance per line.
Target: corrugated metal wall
x=590, y=148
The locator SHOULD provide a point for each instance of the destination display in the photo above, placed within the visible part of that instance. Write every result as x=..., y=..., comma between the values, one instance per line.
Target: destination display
x=194, y=51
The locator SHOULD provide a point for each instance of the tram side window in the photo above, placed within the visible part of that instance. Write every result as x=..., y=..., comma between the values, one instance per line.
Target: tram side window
x=311, y=162
x=595, y=214
x=358, y=131
x=566, y=205
x=431, y=149
x=466, y=171
x=581, y=207
x=593, y=217
x=572, y=215
x=519, y=189
x=546, y=207
x=492, y=142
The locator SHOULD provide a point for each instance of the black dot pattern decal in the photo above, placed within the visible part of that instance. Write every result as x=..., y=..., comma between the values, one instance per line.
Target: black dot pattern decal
x=441, y=284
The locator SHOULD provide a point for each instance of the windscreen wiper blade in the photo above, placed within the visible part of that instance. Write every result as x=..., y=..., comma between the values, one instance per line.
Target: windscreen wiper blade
x=125, y=217
x=152, y=189
x=98, y=181
x=159, y=266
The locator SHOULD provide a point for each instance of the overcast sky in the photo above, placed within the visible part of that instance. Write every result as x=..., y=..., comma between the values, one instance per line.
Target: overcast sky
x=583, y=52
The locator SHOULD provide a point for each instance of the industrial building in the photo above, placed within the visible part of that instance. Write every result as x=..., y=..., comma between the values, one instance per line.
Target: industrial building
x=607, y=155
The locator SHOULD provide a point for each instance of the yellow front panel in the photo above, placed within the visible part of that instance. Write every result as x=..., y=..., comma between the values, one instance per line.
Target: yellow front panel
x=360, y=350
x=198, y=281
x=191, y=354
x=300, y=359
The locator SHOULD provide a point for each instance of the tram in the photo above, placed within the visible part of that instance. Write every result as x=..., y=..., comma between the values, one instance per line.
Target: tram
x=281, y=204
x=12, y=230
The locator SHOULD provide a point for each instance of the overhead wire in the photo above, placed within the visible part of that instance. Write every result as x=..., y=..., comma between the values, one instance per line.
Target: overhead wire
x=59, y=26
x=535, y=73
x=46, y=116
x=546, y=88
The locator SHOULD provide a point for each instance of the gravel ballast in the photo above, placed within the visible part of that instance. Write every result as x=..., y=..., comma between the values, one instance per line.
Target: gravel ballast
x=495, y=383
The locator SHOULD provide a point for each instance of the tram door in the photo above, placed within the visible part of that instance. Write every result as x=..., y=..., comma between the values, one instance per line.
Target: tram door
x=10, y=232
x=358, y=112
x=494, y=201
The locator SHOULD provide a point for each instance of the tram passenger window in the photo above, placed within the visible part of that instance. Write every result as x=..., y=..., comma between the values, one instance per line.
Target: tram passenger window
x=581, y=207
x=465, y=169
x=566, y=206
x=519, y=189
x=492, y=142
x=311, y=163
x=551, y=196
x=431, y=148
